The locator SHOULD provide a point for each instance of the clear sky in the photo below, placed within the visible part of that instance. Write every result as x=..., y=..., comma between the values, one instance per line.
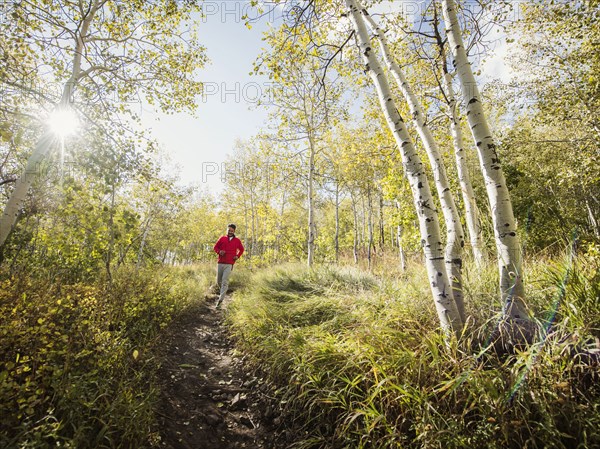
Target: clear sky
x=199, y=145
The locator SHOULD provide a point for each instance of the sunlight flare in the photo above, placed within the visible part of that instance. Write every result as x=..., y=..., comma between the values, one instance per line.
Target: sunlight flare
x=63, y=122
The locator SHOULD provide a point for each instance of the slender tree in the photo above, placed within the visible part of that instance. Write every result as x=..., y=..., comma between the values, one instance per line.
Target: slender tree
x=472, y=218
x=454, y=231
x=505, y=229
x=304, y=102
x=428, y=221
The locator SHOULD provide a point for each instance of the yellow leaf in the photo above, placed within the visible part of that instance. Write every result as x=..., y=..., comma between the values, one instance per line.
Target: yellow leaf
x=136, y=354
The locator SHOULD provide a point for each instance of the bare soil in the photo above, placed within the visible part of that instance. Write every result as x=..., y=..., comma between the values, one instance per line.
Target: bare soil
x=209, y=399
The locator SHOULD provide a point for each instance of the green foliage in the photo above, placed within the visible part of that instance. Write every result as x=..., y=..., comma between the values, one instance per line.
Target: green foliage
x=551, y=148
x=360, y=362
x=78, y=361
x=134, y=52
x=558, y=197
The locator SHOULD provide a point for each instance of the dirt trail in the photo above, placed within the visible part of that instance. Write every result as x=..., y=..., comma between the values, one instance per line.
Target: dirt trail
x=209, y=400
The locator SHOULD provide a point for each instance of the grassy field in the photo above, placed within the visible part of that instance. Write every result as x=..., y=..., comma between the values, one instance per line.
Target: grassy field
x=358, y=361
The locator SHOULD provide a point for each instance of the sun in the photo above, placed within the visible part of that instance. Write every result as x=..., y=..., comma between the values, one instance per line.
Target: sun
x=63, y=122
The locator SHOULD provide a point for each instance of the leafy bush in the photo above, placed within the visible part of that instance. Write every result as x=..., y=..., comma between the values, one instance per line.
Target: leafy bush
x=77, y=362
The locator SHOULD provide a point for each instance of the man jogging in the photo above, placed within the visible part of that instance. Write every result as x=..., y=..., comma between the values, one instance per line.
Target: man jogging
x=229, y=248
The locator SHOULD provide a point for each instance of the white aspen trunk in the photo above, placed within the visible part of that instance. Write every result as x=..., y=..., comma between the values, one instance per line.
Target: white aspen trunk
x=355, y=215
x=19, y=193
x=311, y=212
x=468, y=195
x=401, y=249
x=266, y=199
x=279, y=230
x=246, y=227
x=454, y=230
x=253, y=223
x=505, y=230
x=381, y=224
x=399, y=232
x=44, y=145
x=471, y=212
x=363, y=229
x=111, y=235
x=592, y=219
x=337, y=222
x=440, y=285
x=370, y=226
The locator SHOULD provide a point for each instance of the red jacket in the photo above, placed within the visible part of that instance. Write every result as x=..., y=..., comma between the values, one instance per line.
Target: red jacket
x=231, y=247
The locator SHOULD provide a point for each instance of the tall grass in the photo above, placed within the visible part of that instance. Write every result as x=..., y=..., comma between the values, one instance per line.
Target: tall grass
x=77, y=362
x=361, y=363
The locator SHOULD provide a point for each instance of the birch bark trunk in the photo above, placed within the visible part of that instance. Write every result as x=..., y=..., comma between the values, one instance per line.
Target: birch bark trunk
x=441, y=288
x=399, y=232
x=592, y=219
x=471, y=212
x=355, y=242
x=381, y=224
x=454, y=230
x=253, y=223
x=337, y=221
x=111, y=235
x=311, y=212
x=401, y=250
x=19, y=193
x=370, y=225
x=505, y=230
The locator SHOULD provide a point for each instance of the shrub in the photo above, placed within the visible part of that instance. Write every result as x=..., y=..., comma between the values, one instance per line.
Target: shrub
x=77, y=367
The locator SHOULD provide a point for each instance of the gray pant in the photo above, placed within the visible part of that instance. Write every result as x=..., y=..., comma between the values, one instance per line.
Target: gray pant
x=223, y=272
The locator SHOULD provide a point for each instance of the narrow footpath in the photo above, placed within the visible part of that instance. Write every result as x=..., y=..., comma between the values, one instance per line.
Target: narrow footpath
x=209, y=400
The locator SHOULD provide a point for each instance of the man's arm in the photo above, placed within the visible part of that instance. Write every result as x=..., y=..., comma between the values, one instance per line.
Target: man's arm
x=217, y=247
x=240, y=249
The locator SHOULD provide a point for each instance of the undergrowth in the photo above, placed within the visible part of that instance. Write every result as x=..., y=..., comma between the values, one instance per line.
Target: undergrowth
x=77, y=362
x=359, y=361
